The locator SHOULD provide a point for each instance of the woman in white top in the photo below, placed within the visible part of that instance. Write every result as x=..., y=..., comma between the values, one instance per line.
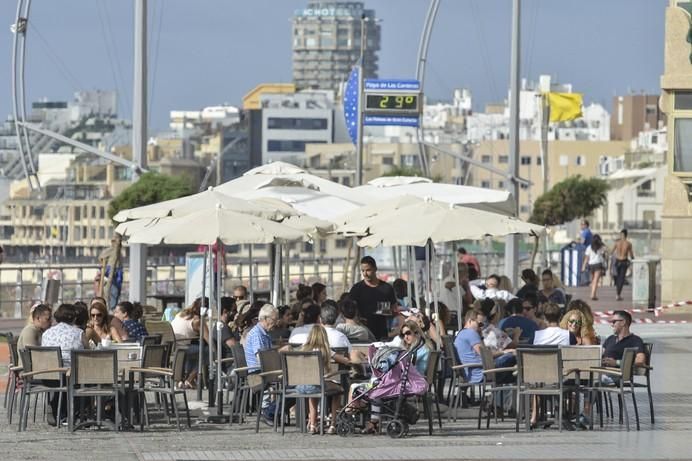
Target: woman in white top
x=595, y=258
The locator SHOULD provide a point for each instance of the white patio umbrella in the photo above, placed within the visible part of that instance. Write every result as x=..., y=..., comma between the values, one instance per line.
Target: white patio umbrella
x=206, y=199
x=422, y=222
x=497, y=201
x=208, y=227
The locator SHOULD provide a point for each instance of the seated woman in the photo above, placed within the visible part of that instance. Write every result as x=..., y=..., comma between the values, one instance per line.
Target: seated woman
x=410, y=335
x=575, y=322
x=134, y=331
x=99, y=326
x=186, y=327
x=318, y=341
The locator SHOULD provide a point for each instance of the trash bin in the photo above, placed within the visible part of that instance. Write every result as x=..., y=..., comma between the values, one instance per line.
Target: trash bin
x=644, y=282
x=571, y=259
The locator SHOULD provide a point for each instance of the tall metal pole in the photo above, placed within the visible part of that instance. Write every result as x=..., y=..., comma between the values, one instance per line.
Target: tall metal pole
x=512, y=241
x=361, y=78
x=138, y=253
x=545, y=165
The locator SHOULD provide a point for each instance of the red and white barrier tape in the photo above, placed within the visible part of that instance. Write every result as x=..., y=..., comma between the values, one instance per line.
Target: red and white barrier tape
x=650, y=321
x=656, y=311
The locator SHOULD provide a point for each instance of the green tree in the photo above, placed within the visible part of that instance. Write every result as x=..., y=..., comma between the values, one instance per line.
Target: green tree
x=573, y=198
x=151, y=188
x=397, y=170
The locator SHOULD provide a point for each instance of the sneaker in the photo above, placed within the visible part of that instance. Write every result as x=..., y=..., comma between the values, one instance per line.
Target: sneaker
x=583, y=422
x=267, y=419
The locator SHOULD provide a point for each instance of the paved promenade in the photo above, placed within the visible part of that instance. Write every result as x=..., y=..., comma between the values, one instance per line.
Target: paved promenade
x=669, y=438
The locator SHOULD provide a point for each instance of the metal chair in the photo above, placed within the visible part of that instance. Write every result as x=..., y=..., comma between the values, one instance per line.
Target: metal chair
x=150, y=340
x=645, y=373
x=623, y=384
x=241, y=388
x=431, y=395
x=169, y=377
x=41, y=365
x=490, y=385
x=93, y=373
x=459, y=383
x=13, y=381
x=270, y=363
x=540, y=374
x=306, y=368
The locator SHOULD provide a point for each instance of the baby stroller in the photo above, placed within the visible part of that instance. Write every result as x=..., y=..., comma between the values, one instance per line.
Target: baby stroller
x=394, y=381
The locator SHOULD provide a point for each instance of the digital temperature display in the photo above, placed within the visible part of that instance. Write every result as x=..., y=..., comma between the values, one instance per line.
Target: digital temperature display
x=391, y=102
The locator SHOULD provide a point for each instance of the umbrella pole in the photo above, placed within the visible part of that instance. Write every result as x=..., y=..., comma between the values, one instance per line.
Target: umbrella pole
x=409, y=290
x=396, y=263
x=251, y=274
x=287, y=278
x=219, y=326
x=434, y=284
x=428, y=274
x=460, y=305
x=200, y=355
x=276, y=273
x=416, y=282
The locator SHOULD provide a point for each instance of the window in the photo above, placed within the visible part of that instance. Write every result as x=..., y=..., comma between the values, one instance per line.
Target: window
x=683, y=144
x=485, y=184
x=683, y=100
x=387, y=160
x=290, y=123
x=486, y=159
x=307, y=247
x=525, y=160
x=341, y=243
x=580, y=160
x=503, y=159
x=77, y=214
x=286, y=145
x=323, y=246
x=564, y=160
x=524, y=209
x=102, y=212
x=500, y=184
x=524, y=186
x=102, y=232
x=539, y=160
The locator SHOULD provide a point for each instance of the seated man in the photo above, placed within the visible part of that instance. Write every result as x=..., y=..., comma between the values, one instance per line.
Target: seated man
x=468, y=346
x=553, y=335
x=614, y=346
x=519, y=319
x=352, y=328
x=311, y=316
x=258, y=338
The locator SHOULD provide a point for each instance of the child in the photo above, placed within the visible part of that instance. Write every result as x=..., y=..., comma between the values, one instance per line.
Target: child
x=318, y=341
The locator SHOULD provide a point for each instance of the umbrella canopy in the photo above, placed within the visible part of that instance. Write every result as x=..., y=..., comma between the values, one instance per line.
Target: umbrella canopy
x=206, y=226
x=311, y=226
x=128, y=228
x=309, y=194
x=209, y=198
x=426, y=219
x=497, y=201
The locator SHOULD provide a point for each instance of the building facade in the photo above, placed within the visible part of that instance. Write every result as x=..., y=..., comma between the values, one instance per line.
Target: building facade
x=327, y=43
x=634, y=113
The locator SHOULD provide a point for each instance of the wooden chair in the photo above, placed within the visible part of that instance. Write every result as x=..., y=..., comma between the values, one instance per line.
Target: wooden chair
x=163, y=329
x=93, y=373
x=305, y=368
x=150, y=340
x=41, y=365
x=540, y=374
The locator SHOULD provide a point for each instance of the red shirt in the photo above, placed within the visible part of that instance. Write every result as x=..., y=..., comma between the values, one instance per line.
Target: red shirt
x=470, y=259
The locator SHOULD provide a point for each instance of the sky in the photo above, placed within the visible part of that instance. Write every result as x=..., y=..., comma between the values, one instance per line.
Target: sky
x=210, y=52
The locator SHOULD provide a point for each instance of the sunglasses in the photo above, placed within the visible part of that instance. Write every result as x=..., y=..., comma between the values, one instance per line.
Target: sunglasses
x=575, y=322
x=406, y=333
x=97, y=315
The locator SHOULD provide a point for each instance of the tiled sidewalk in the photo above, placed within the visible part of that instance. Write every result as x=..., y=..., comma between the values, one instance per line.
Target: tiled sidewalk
x=669, y=438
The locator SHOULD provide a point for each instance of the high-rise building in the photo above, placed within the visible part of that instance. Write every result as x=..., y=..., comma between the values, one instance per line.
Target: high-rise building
x=634, y=113
x=327, y=43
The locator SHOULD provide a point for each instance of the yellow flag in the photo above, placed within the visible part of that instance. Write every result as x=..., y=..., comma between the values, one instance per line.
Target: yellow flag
x=564, y=106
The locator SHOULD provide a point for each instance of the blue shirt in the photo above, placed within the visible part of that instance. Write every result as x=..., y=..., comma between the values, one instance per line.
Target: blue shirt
x=135, y=330
x=464, y=342
x=586, y=237
x=528, y=326
x=257, y=340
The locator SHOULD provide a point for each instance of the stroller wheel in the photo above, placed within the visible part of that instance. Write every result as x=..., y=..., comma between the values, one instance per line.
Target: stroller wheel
x=395, y=429
x=345, y=428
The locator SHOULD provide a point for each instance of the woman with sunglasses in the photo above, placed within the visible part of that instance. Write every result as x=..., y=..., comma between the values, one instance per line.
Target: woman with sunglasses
x=99, y=326
x=576, y=323
x=410, y=335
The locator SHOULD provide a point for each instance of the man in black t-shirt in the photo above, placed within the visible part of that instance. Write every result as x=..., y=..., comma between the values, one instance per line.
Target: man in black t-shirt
x=614, y=347
x=370, y=291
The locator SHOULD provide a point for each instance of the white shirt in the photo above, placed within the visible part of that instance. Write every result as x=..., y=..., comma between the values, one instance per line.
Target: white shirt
x=595, y=257
x=299, y=335
x=552, y=336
